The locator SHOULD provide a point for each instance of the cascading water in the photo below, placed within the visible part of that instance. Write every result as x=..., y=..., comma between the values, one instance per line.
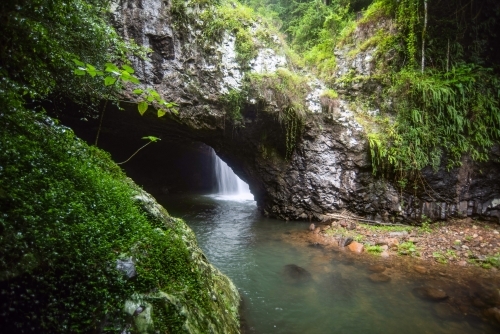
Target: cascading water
x=228, y=183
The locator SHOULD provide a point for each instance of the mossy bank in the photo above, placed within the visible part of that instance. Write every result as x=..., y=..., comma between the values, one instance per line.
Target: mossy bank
x=83, y=249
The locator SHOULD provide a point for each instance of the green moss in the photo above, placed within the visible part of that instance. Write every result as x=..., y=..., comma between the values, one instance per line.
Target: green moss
x=330, y=93
x=68, y=214
x=289, y=91
x=374, y=249
x=233, y=103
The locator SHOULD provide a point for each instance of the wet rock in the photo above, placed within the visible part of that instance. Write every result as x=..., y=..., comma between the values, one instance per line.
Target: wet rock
x=316, y=245
x=312, y=227
x=331, y=162
x=487, y=293
x=377, y=268
x=493, y=314
x=398, y=234
x=379, y=278
x=126, y=266
x=295, y=274
x=430, y=293
x=345, y=242
x=446, y=311
x=420, y=269
x=392, y=242
x=356, y=247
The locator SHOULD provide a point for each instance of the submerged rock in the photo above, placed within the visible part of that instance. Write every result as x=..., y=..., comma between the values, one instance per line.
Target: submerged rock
x=420, y=269
x=379, y=278
x=295, y=274
x=430, y=293
x=377, y=268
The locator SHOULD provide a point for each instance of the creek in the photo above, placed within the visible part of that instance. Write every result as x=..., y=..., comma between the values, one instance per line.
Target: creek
x=329, y=293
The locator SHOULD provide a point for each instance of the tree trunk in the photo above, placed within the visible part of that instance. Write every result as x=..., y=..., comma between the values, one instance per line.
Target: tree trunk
x=423, y=35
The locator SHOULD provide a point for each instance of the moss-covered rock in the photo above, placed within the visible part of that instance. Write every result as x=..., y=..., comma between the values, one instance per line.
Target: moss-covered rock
x=83, y=249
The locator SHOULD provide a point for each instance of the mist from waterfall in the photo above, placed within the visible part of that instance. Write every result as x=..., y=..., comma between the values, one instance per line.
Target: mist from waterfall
x=229, y=185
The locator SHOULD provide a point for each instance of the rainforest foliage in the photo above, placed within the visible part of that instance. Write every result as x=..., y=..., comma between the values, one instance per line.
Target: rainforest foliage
x=68, y=213
x=437, y=62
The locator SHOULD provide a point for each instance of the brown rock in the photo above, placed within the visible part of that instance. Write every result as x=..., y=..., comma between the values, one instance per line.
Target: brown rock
x=317, y=230
x=356, y=247
x=379, y=278
x=392, y=242
x=385, y=254
x=420, y=269
x=493, y=314
x=430, y=293
x=376, y=268
x=462, y=263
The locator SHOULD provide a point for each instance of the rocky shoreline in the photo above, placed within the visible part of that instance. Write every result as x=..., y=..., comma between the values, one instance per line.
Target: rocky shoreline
x=457, y=261
x=463, y=242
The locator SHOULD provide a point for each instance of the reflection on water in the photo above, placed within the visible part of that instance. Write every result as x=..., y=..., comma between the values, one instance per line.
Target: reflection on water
x=294, y=289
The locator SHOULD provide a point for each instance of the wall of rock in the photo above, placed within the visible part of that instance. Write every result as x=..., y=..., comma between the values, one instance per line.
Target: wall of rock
x=330, y=169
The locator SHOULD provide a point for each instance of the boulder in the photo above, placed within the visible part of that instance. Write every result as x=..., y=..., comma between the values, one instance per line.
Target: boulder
x=377, y=268
x=420, y=269
x=296, y=274
x=356, y=247
x=430, y=293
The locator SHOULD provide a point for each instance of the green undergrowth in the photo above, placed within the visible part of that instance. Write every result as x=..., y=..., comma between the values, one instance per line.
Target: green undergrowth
x=288, y=91
x=68, y=213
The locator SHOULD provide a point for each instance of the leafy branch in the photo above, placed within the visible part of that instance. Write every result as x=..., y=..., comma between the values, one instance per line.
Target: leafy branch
x=116, y=77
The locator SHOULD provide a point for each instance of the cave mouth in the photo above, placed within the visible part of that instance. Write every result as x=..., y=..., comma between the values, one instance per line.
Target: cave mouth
x=175, y=164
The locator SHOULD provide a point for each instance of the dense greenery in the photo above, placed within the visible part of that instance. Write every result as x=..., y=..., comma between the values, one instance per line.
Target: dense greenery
x=68, y=213
x=437, y=62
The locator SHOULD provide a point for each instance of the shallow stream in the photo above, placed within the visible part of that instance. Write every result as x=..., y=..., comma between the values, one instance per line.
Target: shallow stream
x=332, y=295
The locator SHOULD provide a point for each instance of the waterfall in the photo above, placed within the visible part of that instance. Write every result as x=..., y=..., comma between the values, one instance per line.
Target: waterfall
x=228, y=183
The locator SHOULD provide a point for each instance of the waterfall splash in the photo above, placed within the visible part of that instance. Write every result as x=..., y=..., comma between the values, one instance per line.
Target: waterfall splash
x=229, y=185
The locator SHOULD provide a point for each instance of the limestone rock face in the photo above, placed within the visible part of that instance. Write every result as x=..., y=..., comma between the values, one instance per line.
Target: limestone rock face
x=330, y=168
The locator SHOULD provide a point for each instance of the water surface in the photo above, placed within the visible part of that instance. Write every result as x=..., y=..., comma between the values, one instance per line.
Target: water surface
x=337, y=297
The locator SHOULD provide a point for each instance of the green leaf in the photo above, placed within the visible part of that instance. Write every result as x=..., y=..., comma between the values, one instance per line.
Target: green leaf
x=138, y=91
x=161, y=112
x=91, y=68
x=79, y=72
x=134, y=80
x=175, y=111
x=171, y=104
x=125, y=74
x=151, y=138
x=110, y=67
x=142, y=106
x=77, y=62
x=92, y=73
x=108, y=81
x=128, y=69
x=150, y=98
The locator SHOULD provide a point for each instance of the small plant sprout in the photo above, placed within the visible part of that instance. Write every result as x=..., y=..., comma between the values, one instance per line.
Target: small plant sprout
x=152, y=139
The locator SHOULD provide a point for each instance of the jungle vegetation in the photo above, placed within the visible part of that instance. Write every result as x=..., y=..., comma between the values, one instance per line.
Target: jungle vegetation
x=438, y=65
